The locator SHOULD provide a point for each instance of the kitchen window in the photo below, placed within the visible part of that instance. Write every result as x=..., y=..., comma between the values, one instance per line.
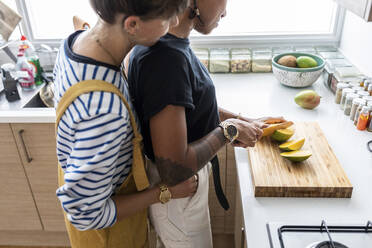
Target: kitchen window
x=253, y=22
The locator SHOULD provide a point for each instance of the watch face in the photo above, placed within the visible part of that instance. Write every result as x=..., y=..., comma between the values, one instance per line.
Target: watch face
x=231, y=130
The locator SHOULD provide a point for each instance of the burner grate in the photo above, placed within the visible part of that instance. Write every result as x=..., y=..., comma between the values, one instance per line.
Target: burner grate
x=324, y=228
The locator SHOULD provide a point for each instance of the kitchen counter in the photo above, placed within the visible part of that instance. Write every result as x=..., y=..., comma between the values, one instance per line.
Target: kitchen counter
x=15, y=112
x=261, y=95
x=257, y=95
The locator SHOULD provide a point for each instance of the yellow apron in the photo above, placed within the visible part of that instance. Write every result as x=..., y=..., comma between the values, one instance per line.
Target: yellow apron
x=132, y=231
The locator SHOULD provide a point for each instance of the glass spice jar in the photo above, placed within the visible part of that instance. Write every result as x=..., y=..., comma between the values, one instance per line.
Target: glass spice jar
x=369, y=127
x=203, y=56
x=349, y=101
x=353, y=81
x=280, y=50
x=356, y=118
x=329, y=70
x=348, y=72
x=366, y=83
x=363, y=118
x=340, y=87
x=367, y=98
x=355, y=105
x=219, y=60
x=357, y=88
x=325, y=49
x=331, y=55
x=241, y=60
x=362, y=93
x=306, y=49
x=261, y=60
x=370, y=89
x=345, y=91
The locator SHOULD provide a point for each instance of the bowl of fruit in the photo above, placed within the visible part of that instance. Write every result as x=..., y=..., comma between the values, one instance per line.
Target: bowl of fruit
x=297, y=69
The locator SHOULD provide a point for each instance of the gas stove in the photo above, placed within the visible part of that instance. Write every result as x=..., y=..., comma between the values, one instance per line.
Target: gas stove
x=320, y=236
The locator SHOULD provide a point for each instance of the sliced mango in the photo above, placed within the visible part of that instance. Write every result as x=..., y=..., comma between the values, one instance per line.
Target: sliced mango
x=282, y=135
x=296, y=156
x=292, y=145
x=271, y=129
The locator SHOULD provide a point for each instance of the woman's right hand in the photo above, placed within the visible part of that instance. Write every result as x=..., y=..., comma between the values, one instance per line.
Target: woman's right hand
x=249, y=132
x=185, y=189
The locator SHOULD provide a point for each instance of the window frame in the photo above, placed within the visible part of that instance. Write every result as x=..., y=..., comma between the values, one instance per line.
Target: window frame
x=223, y=41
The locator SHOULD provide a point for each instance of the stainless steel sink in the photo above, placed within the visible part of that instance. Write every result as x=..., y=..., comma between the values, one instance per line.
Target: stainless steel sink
x=35, y=102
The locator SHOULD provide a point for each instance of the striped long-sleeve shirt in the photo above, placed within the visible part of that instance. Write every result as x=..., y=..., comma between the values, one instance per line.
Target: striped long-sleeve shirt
x=94, y=137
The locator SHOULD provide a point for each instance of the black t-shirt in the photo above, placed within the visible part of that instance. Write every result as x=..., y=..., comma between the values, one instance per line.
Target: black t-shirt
x=169, y=73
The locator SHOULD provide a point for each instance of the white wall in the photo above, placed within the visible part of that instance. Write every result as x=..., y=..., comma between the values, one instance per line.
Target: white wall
x=356, y=42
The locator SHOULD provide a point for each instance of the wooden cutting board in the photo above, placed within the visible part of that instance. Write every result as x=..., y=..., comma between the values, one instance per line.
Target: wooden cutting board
x=321, y=175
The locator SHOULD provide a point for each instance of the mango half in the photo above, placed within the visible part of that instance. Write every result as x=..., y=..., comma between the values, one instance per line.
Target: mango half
x=293, y=145
x=296, y=156
x=282, y=135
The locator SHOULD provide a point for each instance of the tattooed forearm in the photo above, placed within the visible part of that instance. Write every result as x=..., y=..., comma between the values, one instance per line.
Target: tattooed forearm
x=198, y=154
x=207, y=147
x=172, y=173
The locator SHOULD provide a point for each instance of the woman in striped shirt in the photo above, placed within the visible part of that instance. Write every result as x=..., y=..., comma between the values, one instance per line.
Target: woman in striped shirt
x=94, y=135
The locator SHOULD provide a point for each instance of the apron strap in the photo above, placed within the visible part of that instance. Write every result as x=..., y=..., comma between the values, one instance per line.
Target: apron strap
x=138, y=165
x=217, y=183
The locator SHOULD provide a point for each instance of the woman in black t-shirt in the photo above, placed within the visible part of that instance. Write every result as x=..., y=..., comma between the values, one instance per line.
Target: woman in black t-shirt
x=176, y=103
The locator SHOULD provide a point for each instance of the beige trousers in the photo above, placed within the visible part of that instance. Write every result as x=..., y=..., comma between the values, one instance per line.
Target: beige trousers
x=185, y=222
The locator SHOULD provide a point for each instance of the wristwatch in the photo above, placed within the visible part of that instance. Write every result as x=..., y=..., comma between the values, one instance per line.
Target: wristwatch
x=229, y=130
x=165, y=194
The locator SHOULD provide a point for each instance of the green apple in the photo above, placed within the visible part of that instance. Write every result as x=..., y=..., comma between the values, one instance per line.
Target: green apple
x=306, y=62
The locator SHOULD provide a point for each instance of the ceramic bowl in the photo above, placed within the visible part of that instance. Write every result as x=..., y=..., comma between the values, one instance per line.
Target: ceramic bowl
x=297, y=77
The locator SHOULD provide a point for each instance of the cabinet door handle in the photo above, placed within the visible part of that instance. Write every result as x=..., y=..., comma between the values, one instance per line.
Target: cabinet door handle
x=29, y=158
x=243, y=238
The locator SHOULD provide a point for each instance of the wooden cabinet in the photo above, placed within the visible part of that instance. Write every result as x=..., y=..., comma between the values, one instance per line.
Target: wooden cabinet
x=31, y=215
x=17, y=206
x=37, y=147
x=362, y=8
x=239, y=231
x=223, y=221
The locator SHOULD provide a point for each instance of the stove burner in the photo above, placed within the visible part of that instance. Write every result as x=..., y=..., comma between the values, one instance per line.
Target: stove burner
x=326, y=244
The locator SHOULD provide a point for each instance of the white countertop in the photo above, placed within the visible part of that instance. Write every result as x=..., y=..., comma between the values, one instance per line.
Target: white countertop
x=14, y=112
x=259, y=95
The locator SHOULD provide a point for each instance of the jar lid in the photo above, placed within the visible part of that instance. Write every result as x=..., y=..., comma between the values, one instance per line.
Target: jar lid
x=346, y=72
x=218, y=51
x=331, y=55
x=359, y=101
x=366, y=108
x=342, y=85
x=338, y=63
x=326, y=48
x=201, y=51
x=239, y=51
x=347, y=90
x=363, y=93
x=352, y=96
x=357, y=88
